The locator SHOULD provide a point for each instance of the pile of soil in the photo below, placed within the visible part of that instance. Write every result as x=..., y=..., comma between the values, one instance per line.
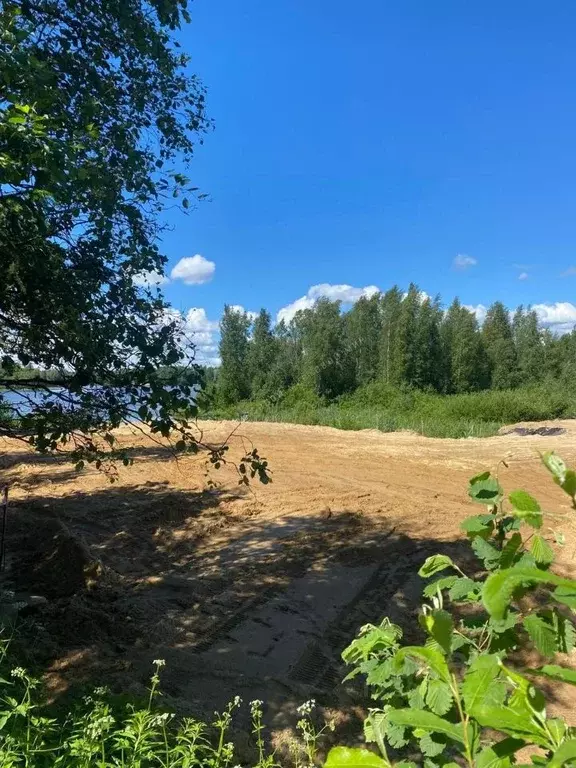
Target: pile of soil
x=47, y=559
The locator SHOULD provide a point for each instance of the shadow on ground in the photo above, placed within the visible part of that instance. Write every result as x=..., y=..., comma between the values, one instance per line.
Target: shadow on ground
x=236, y=604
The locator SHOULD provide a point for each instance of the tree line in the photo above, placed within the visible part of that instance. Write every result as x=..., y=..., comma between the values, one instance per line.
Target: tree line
x=403, y=339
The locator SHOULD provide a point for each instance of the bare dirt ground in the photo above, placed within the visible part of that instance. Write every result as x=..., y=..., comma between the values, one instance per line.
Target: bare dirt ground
x=248, y=592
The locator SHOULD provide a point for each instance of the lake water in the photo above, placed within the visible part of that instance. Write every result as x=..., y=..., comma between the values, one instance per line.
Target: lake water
x=24, y=400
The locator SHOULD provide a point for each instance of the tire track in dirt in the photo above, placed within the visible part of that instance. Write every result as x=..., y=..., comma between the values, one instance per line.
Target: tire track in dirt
x=203, y=576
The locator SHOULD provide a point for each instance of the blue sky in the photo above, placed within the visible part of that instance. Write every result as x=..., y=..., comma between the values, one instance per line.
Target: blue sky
x=372, y=143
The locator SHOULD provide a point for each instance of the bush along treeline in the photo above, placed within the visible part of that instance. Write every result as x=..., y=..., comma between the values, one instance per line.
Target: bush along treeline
x=402, y=340
x=397, y=360
x=468, y=695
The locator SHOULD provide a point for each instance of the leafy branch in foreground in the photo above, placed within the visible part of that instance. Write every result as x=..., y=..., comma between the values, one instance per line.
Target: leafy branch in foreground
x=98, y=110
x=466, y=697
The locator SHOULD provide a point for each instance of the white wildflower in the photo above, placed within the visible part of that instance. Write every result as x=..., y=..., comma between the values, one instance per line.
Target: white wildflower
x=307, y=707
x=18, y=672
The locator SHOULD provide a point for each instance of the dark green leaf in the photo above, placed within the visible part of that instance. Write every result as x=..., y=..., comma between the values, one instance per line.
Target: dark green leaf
x=541, y=633
x=478, y=525
x=431, y=746
x=396, y=735
x=439, y=697
x=569, y=483
x=499, y=755
x=444, y=582
x=489, y=555
x=487, y=491
x=430, y=657
x=479, y=678
x=427, y=721
x=565, y=633
x=464, y=587
x=513, y=723
x=478, y=478
x=566, y=595
x=510, y=550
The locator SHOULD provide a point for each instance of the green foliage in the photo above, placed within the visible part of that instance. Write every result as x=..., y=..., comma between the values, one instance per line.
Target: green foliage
x=392, y=352
x=98, y=104
x=261, y=357
x=500, y=350
x=344, y=757
x=363, y=328
x=378, y=406
x=326, y=362
x=457, y=699
x=234, y=376
x=100, y=731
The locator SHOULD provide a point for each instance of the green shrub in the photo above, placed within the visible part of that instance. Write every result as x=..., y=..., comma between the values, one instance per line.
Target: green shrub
x=462, y=698
x=298, y=396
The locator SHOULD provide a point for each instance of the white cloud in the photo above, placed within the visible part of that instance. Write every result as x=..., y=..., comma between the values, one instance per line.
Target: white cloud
x=194, y=270
x=347, y=294
x=198, y=330
x=150, y=279
x=570, y=272
x=462, y=261
x=239, y=308
x=560, y=317
x=204, y=334
x=523, y=276
x=477, y=309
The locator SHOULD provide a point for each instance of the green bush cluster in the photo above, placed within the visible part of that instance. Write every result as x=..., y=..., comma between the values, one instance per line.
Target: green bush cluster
x=379, y=406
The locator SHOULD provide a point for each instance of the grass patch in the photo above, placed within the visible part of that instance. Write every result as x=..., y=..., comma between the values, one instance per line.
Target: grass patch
x=477, y=414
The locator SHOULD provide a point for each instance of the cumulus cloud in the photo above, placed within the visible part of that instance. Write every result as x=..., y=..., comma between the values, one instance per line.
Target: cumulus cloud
x=197, y=329
x=462, y=261
x=150, y=279
x=239, y=308
x=560, y=317
x=479, y=310
x=523, y=276
x=347, y=294
x=194, y=270
x=204, y=334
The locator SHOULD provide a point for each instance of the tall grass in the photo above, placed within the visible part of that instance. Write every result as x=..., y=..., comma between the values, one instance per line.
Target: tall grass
x=477, y=414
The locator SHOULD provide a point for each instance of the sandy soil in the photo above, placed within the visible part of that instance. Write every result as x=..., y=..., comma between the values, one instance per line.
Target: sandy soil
x=251, y=592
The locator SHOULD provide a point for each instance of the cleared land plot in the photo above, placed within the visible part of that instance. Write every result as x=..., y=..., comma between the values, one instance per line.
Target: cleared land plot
x=249, y=593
